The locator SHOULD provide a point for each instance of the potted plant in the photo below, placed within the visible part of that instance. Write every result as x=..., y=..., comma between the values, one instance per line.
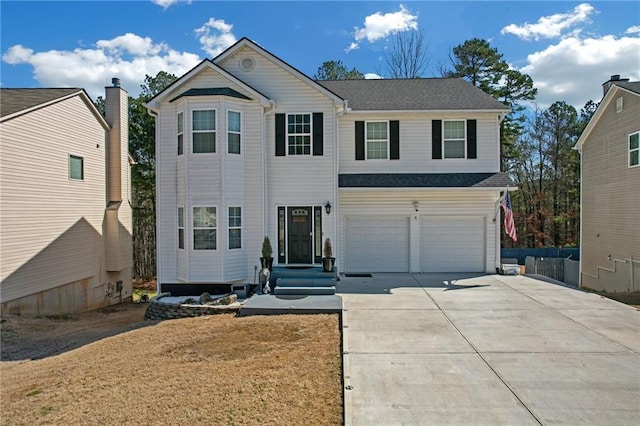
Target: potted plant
x=266, y=261
x=328, y=260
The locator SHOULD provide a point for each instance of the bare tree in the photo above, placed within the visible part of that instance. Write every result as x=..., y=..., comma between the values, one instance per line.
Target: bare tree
x=408, y=55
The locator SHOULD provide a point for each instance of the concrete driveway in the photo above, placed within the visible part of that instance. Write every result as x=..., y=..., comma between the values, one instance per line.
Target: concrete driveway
x=438, y=349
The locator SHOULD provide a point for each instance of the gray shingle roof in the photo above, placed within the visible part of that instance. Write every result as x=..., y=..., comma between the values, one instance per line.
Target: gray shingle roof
x=425, y=180
x=416, y=94
x=15, y=100
x=224, y=91
x=633, y=86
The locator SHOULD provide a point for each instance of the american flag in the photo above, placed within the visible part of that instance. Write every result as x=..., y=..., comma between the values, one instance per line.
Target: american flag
x=509, y=226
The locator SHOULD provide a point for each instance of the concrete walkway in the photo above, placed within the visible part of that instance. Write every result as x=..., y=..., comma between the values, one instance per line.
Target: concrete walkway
x=435, y=349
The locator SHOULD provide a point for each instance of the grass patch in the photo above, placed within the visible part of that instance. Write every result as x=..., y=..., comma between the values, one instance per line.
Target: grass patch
x=138, y=292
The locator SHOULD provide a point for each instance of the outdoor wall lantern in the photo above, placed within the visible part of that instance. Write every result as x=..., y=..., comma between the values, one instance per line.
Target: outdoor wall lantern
x=327, y=207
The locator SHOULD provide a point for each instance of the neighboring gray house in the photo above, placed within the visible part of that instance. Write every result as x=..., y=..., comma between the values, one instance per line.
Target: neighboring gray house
x=401, y=175
x=65, y=217
x=610, y=188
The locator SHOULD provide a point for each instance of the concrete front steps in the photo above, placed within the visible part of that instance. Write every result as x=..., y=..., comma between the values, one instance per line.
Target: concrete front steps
x=310, y=280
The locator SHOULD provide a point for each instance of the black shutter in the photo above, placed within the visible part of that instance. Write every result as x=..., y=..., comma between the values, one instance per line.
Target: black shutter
x=436, y=139
x=280, y=135
x=318, y=124
x=394, y=141
x=359, y=140
x=472, y=150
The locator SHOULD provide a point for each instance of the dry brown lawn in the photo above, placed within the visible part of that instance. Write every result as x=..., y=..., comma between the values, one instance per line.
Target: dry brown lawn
x=217, y=370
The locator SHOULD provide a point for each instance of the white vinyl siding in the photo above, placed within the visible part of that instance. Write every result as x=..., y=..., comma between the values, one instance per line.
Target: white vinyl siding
x=416, y=144
x=377, y=140
x=234, y=132
x=203, y=127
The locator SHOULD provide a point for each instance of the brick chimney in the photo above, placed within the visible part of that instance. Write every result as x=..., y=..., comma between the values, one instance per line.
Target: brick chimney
x=614, y=79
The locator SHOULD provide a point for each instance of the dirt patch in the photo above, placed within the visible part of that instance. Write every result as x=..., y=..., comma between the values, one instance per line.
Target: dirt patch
x=221, y=369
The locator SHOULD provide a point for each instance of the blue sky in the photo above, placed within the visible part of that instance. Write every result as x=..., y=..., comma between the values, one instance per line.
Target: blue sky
x=568, y=48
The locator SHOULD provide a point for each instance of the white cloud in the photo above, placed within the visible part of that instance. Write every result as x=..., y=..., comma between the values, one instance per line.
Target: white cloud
x=166, y=3
x=379, y=26
x=129, y=57
x=372, y=76
x=550, y=26
x=574, y=69
x=633, y=30
x=215, y=36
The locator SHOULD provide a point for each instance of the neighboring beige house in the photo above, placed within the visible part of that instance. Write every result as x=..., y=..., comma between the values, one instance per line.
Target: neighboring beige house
x=65, y=216
x=610, y=187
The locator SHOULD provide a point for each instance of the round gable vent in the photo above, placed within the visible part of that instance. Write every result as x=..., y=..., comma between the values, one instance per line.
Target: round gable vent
x=247, y=63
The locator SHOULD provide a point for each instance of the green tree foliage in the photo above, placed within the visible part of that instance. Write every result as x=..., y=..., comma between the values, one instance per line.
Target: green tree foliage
x=336, y=70
x=484, y=67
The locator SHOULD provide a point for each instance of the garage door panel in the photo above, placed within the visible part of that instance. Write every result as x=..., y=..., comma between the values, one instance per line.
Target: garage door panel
x=377, y=244
x=452, y=244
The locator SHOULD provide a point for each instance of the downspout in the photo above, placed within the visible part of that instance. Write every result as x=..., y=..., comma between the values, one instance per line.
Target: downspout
x=582, y=223
x=336, y=160
x=265, y=176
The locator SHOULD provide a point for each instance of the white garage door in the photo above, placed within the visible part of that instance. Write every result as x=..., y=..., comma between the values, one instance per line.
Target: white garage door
x=377, y=244
x=452, y=244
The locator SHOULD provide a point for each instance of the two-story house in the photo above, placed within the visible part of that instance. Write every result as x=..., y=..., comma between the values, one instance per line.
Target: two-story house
x=609, y=186
x=65, y=216
x=401, y=175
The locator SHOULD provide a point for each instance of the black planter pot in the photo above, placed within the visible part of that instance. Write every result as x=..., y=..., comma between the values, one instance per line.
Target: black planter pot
x=327, y=264
x=266, y=262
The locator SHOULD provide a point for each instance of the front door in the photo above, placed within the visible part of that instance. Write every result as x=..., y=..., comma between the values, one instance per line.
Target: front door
x=300, y=235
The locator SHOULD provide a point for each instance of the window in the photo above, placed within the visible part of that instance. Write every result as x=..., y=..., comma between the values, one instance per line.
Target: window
x=299, y=134
x=76, y=167
x=235, y=227
x=233, y=132
x=181, y=227
x=377, y=138
x=453, y=139
x=619, y=104
x=180, y=133
x=204, y=228
x=634, y=149
x=204, y=131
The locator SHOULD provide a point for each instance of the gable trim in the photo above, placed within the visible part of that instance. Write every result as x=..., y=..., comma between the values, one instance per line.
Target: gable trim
x=604, y=104
x=152, y=104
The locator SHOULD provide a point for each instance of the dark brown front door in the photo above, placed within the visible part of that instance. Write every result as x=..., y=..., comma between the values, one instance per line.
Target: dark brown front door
x=300, y=236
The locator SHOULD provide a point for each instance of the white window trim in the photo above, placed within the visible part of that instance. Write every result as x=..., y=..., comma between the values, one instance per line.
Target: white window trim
x=234, y=132
x=229, y=228
x=178, y=132
x=184, y=235
x=69, y=168
x=366, y=140
x=629, y=150
x=286, y=140
x=215, y=131
x=193, y=228
x=444, y=157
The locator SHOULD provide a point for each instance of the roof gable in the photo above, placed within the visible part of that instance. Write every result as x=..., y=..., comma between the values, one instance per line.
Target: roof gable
x=17, y=102
x=193, y=73
x=632, y=88
x=415, y=94
x=245, y=42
